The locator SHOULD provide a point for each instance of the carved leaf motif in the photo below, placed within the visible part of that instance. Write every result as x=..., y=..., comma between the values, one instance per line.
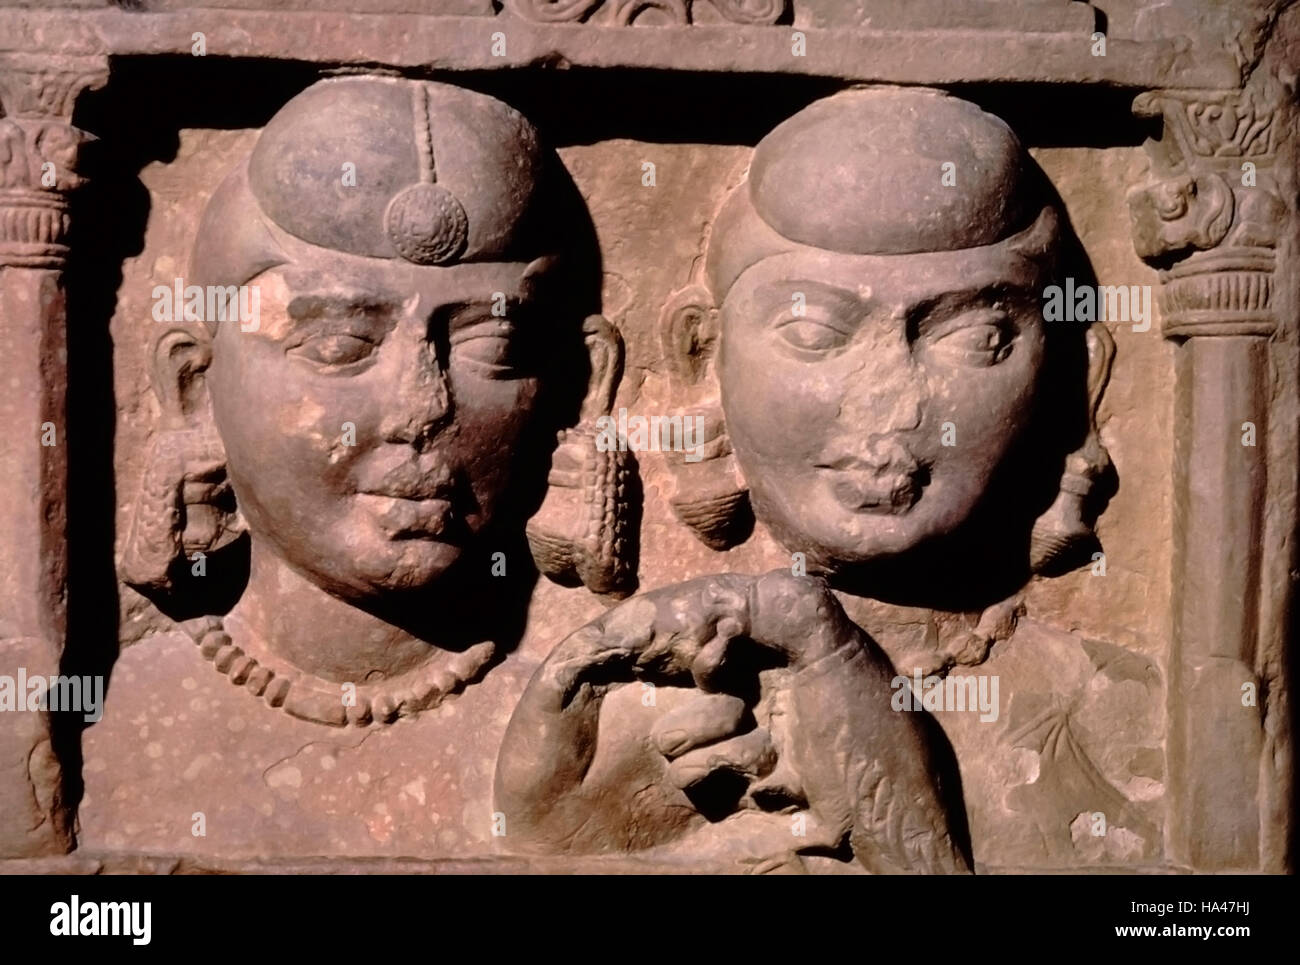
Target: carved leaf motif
x=1219, y=124
x=45, y=92
x=1069, y=783
x=1226, y=130
x=13, y=156
x=26, y=146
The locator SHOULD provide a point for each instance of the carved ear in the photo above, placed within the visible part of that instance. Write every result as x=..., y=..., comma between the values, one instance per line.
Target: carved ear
x=605, y=352
x=1101, y=354
x=180, y=357
x=688, y=329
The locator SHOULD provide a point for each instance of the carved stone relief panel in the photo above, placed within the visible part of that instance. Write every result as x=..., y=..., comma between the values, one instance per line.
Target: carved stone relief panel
x=780, y=468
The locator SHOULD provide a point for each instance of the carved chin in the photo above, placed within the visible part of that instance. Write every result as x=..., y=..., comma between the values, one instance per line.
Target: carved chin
x=380, y=545
x=835, y=535
x=408, y=564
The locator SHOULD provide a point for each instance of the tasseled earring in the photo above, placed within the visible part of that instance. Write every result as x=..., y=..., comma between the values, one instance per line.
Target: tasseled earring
x=1063, y=538
x=709, y=496
x=586, y=530
x=184, y=505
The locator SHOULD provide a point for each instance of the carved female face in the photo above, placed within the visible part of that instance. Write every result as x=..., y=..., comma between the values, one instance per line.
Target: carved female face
x=870, y=398
x=371, y=420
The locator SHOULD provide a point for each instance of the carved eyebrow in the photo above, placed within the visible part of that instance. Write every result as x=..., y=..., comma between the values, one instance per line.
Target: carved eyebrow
x=466, y=311
x=310, y=305
x=954, y=301
x=787, y=289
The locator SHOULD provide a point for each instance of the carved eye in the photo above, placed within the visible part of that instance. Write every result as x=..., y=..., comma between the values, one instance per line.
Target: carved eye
x=808, y=335
x=982, y=338
x=491, y=346
x=338, y=349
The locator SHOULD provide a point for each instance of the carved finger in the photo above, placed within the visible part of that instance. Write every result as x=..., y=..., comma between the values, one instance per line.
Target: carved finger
x=656, y=636
x=701, y=720
x=708, y=665
x=749, y=755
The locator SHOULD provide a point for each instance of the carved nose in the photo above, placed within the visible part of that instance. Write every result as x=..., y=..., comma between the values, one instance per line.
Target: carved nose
x=890, y=392
x=901, y=408
x=422, y=405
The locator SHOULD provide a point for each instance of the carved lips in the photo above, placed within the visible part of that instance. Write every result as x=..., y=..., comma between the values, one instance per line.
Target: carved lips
x=412, y=518
x=890, y=484
x=413, y=500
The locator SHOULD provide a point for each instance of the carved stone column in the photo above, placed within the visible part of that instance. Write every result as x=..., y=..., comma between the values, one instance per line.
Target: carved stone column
x=1213, y=223
x=38, y=155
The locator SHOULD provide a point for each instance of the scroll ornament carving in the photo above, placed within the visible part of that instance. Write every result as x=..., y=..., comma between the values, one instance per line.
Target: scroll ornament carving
x=625, y=13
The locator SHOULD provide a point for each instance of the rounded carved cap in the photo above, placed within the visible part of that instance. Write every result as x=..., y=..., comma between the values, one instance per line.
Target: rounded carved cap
x=861, y=172
x=393, y=168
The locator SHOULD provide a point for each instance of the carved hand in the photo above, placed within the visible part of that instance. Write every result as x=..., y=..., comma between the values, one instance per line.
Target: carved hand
x=792, y=700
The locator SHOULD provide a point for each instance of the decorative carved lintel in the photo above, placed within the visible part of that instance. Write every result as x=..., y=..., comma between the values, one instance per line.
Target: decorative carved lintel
x=626, y=12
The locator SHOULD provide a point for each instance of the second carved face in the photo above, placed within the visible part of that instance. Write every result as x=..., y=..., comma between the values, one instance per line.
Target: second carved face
x=877, y=337
x=871, y=422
